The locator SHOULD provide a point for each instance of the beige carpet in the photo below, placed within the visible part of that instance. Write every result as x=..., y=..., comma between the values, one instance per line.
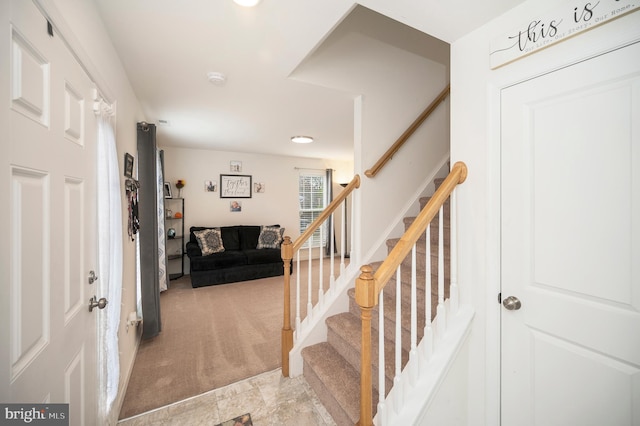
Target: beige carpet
x=211, y=337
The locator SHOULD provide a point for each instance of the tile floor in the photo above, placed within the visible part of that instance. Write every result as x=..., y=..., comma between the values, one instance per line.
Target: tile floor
x=270, y=399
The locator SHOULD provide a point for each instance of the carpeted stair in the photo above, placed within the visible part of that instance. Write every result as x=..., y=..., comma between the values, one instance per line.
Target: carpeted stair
x=332, y=368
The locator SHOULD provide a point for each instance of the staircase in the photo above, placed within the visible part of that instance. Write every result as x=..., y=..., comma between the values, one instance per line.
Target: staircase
x=332, y=368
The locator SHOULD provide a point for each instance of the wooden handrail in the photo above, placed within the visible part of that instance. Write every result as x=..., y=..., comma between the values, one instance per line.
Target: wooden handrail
x=407, y=133
x=369, y=285
x=457, y=175
x=287, y=251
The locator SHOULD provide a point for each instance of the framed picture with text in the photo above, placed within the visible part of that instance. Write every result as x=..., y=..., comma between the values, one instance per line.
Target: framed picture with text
x=235, y=186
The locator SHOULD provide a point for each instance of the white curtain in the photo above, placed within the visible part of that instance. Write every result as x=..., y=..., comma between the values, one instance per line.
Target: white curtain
x=162, y=249
x=109, y=253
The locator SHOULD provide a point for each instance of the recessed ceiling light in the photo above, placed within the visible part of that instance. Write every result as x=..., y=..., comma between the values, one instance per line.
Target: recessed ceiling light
x=247, y=3
x=216, y=78
x=302, y=139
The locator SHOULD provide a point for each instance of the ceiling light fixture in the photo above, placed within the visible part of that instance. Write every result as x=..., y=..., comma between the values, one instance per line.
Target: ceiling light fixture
x=216, y=78
x=247, y=3
x=301, y=139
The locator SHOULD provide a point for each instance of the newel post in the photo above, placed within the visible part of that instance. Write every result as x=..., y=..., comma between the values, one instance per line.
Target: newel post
x=366, y=297
x=287, y=333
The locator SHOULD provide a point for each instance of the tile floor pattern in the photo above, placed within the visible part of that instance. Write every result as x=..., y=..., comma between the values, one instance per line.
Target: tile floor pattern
x=270, y=399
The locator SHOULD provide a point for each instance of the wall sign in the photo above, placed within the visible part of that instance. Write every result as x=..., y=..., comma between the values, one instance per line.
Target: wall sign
x=564, y=22
x=235, y=186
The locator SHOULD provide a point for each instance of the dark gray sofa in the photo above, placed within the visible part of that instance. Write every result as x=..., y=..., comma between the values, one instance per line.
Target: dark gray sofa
x=241, y=260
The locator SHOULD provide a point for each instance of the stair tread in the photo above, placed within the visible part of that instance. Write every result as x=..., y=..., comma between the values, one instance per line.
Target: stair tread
x=349, y=328
x=339, y=378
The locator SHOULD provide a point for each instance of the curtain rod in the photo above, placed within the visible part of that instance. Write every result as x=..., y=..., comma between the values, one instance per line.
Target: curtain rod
x=311, y=168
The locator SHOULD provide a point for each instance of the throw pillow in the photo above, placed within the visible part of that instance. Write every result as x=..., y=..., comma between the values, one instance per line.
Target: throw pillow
x=210, y=241
x=270, y=237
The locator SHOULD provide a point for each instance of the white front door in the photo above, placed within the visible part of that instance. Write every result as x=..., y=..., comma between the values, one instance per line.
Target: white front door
x=571, y=245
x=48, y=215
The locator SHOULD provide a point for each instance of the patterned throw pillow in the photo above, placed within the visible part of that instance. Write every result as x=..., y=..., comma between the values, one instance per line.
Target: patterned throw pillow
x=270, y=237
x=210, y=241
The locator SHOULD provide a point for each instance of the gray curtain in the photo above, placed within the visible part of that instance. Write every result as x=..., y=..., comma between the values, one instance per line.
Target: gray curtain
x=148, y=234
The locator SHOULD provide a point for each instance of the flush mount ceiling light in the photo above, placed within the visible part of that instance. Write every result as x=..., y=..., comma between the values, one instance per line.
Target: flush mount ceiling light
x=301, y=139
x=216, y=78
x=247, y=3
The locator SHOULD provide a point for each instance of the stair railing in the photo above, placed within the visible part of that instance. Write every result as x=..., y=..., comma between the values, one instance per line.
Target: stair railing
x=369, y=286
x=407, y=133
x=289, y=249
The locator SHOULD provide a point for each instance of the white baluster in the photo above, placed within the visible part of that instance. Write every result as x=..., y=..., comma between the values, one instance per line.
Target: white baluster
x=381, y=363
x=343, y=235
x=397, y=380
x=414, y=318
x=309, y=279
x=332, y=243
x=453, y=250
x=321, y=272
x=441, y=314
x=428, y=330
x=353, y=228
x=298, y=319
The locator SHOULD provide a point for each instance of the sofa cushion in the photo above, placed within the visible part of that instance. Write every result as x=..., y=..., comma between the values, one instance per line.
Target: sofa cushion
x=193, y=229
x=270, y=237
x=226, y=259
x=230, y=237
x=248, y=236
x=262, y=256
x=210, y=241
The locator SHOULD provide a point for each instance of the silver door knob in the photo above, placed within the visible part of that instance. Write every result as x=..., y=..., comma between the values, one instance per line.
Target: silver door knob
x=100, y=304
x=512, y=303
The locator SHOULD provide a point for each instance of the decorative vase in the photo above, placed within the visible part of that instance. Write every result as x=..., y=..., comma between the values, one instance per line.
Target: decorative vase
x=171, y=233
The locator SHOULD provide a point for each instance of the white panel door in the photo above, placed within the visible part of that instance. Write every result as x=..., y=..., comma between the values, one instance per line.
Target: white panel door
x=571, y=245
x=48, y=219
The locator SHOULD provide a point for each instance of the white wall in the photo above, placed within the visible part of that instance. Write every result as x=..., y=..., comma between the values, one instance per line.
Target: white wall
x=475, y=139
x=80, y=18
x=388, y=197
x=277, y=205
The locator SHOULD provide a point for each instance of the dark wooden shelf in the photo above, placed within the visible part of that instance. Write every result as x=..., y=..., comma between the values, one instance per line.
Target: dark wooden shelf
x=176, y=205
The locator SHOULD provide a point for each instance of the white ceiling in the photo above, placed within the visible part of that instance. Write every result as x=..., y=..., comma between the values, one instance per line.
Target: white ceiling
x=167, y=48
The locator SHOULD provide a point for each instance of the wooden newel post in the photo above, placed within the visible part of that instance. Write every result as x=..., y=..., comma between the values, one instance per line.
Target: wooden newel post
x=366, y=297
x=287, y=333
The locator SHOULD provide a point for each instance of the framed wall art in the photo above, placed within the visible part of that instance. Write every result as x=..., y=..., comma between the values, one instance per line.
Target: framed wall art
x=128, y=165
x=235, y=186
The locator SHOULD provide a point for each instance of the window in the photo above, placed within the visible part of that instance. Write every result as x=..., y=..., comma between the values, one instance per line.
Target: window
x=312, y=189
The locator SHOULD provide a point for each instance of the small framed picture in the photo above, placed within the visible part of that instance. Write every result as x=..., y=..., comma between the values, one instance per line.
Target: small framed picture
x=258, y=187
x=235, y=167
x=235, y=206
x=128, y=165
x=210, y=185
x=167, y=190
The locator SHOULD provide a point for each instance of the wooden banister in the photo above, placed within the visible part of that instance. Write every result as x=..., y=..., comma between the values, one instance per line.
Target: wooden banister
x=407, y=133
x=457, y=175
x=369, y=285
x=287, y=250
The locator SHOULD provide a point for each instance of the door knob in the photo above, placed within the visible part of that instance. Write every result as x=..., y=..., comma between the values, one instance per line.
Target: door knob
x=512, y=303
x=100, y=304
